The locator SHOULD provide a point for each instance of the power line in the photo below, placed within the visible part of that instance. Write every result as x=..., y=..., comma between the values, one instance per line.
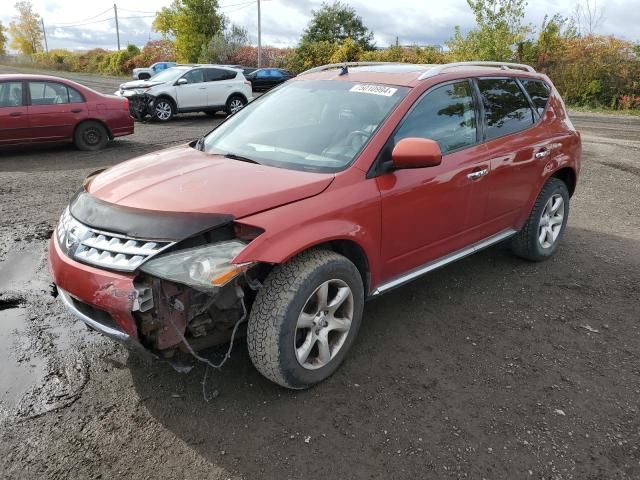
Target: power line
x=85, y=19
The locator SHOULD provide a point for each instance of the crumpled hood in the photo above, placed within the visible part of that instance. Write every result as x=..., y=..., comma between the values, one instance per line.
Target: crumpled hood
x=139, y=84
x=182, y=179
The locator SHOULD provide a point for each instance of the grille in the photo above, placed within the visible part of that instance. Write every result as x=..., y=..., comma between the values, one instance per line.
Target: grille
x=103, y=249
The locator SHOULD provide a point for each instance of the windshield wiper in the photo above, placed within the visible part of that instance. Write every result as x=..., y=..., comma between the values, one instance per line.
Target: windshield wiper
x=233, y=156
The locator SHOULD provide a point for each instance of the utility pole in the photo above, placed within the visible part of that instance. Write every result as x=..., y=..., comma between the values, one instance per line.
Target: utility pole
x=259, y=37
x=115, y=11
x=44, y=32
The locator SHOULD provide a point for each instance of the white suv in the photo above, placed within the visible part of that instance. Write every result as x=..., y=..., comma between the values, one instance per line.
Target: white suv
x=188, y=88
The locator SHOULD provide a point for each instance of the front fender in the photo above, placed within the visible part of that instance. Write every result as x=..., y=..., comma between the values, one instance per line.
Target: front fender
x=348, y=212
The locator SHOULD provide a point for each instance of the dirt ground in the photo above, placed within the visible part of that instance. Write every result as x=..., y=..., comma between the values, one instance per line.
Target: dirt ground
x=490, y=368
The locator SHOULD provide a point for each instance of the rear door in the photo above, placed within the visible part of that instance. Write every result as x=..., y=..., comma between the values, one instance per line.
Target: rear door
x=517, y=144
x=430, y=212
x=54, y=110
x=220, y=83
x=193, y=94
x=14, y=119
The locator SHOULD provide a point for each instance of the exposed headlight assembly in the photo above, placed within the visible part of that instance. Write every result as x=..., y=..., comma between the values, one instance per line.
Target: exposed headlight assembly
x=203, y=268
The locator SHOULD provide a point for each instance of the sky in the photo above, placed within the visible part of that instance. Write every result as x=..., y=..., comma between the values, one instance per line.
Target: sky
x=82, y=24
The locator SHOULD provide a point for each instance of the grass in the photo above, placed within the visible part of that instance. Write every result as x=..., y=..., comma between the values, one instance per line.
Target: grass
x=604, y=111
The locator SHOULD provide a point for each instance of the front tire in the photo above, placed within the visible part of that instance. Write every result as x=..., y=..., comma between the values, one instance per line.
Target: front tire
x=163, y=109
x=305, y=318
x=91, y=136
x=540, y=236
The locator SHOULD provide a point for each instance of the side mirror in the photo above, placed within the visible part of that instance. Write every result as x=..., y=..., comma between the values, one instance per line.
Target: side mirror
x=182, y=81
x=416, y=153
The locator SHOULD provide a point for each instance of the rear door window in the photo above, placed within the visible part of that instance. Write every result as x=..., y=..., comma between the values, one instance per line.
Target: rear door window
x=539, y=92
x=11, y=94
x=217, y=74
x=446, y=115
x=506, y=109
x=48, y=93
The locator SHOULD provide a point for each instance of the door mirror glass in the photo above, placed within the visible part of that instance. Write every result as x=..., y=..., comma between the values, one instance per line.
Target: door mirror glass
x=416, y=153
x=182, y=81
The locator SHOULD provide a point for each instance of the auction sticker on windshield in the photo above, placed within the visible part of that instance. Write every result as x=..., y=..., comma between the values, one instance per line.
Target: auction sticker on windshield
x=374, y=89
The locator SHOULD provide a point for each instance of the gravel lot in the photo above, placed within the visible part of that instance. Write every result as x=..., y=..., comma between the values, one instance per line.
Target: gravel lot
x=490, y=368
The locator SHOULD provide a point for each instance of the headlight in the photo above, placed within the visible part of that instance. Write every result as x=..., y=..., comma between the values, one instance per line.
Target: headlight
x=203, y=268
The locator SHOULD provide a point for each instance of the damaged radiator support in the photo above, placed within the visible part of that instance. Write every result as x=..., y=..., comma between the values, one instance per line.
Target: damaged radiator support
x=227, y=355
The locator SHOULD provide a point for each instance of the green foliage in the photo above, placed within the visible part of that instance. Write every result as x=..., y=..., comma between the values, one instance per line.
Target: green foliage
x=3, y=41
x=224, y=45
x=405, y=55
x=24, y=30
x=349, y=51
x=335, y=23
x=498, y=32
x=192, y=23
x=311, y=54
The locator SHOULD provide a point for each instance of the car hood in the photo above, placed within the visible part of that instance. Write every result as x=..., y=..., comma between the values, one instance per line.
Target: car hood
x=139, y=84
x=182, y=179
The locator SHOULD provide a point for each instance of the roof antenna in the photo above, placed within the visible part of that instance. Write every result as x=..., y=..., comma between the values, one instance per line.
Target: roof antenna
x=344, y=70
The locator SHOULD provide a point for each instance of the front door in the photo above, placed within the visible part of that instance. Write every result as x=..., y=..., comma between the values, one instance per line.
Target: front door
x=193, y=94
x=430, y=212
x=14, y=121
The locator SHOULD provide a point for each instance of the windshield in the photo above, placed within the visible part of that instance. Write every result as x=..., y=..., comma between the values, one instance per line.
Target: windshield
x=307, y=125
x=168, y=75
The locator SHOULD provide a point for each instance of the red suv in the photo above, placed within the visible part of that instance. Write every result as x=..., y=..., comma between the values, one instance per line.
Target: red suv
x=340, y=185
x=40, y=108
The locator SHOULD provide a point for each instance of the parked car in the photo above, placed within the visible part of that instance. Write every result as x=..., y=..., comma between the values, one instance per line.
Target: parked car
x=341, y=185
x=41, y=108
x=188, y=88
x=267, y=78
x=148, y=72
x=245, y=70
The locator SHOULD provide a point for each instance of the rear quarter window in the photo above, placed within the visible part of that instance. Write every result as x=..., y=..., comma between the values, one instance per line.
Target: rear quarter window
x=539, y=92
x=506, y=109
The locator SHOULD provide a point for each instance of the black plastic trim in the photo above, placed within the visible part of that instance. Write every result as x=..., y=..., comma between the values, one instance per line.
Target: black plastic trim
x=140, y=223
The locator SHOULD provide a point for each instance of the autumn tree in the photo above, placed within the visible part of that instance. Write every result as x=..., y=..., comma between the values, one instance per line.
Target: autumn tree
x=24, y=30
x=3, y=41
x=224, y=45
x=588, y=16
x=335, y=23
x=192, y=23
x=499, y=30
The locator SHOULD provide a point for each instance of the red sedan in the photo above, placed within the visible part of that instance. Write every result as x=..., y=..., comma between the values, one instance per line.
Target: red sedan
x=41, y=108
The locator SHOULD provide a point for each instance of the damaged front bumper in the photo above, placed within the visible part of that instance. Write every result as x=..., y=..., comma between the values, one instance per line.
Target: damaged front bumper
x=140, y=103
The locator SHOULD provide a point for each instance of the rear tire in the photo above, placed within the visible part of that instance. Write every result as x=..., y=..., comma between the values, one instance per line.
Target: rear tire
x=541, y=235
x=305, y=318
x=235, y=103
x=90, y=136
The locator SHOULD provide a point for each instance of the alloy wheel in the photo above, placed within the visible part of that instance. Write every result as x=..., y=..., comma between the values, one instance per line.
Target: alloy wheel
x=551, y=221
x=324, y=324
x=163, y=110
x=236, y=105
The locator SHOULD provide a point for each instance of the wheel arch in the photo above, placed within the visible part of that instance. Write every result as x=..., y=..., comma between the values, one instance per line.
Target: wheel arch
x=237, y=94
x=568, y=176
x=172, y=101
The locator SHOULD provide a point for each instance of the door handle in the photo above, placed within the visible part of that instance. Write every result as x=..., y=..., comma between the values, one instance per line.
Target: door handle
x=544, y=152
x=76, y=110
x=15, y=114
x=478, y=174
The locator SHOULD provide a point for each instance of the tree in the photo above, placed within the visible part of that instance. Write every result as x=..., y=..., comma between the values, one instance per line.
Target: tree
x=499, y=30
x=24, y=30
x=335, y=23
x=192, y=23
x=224, y=45
x=3, y=41
x=588, y=16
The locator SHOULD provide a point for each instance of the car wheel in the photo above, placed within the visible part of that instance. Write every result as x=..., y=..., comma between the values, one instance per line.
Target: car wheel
x=91, y=136
x=162, y=110
x=305, y=318
x=541, y=235
x=235, y=104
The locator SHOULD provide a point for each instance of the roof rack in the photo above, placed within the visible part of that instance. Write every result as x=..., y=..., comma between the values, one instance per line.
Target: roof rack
x=503, y=65
x=345, y=64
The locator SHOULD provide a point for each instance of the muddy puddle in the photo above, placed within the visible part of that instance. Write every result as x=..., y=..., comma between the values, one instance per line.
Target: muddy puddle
x=19, y=268
x=19, y=371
